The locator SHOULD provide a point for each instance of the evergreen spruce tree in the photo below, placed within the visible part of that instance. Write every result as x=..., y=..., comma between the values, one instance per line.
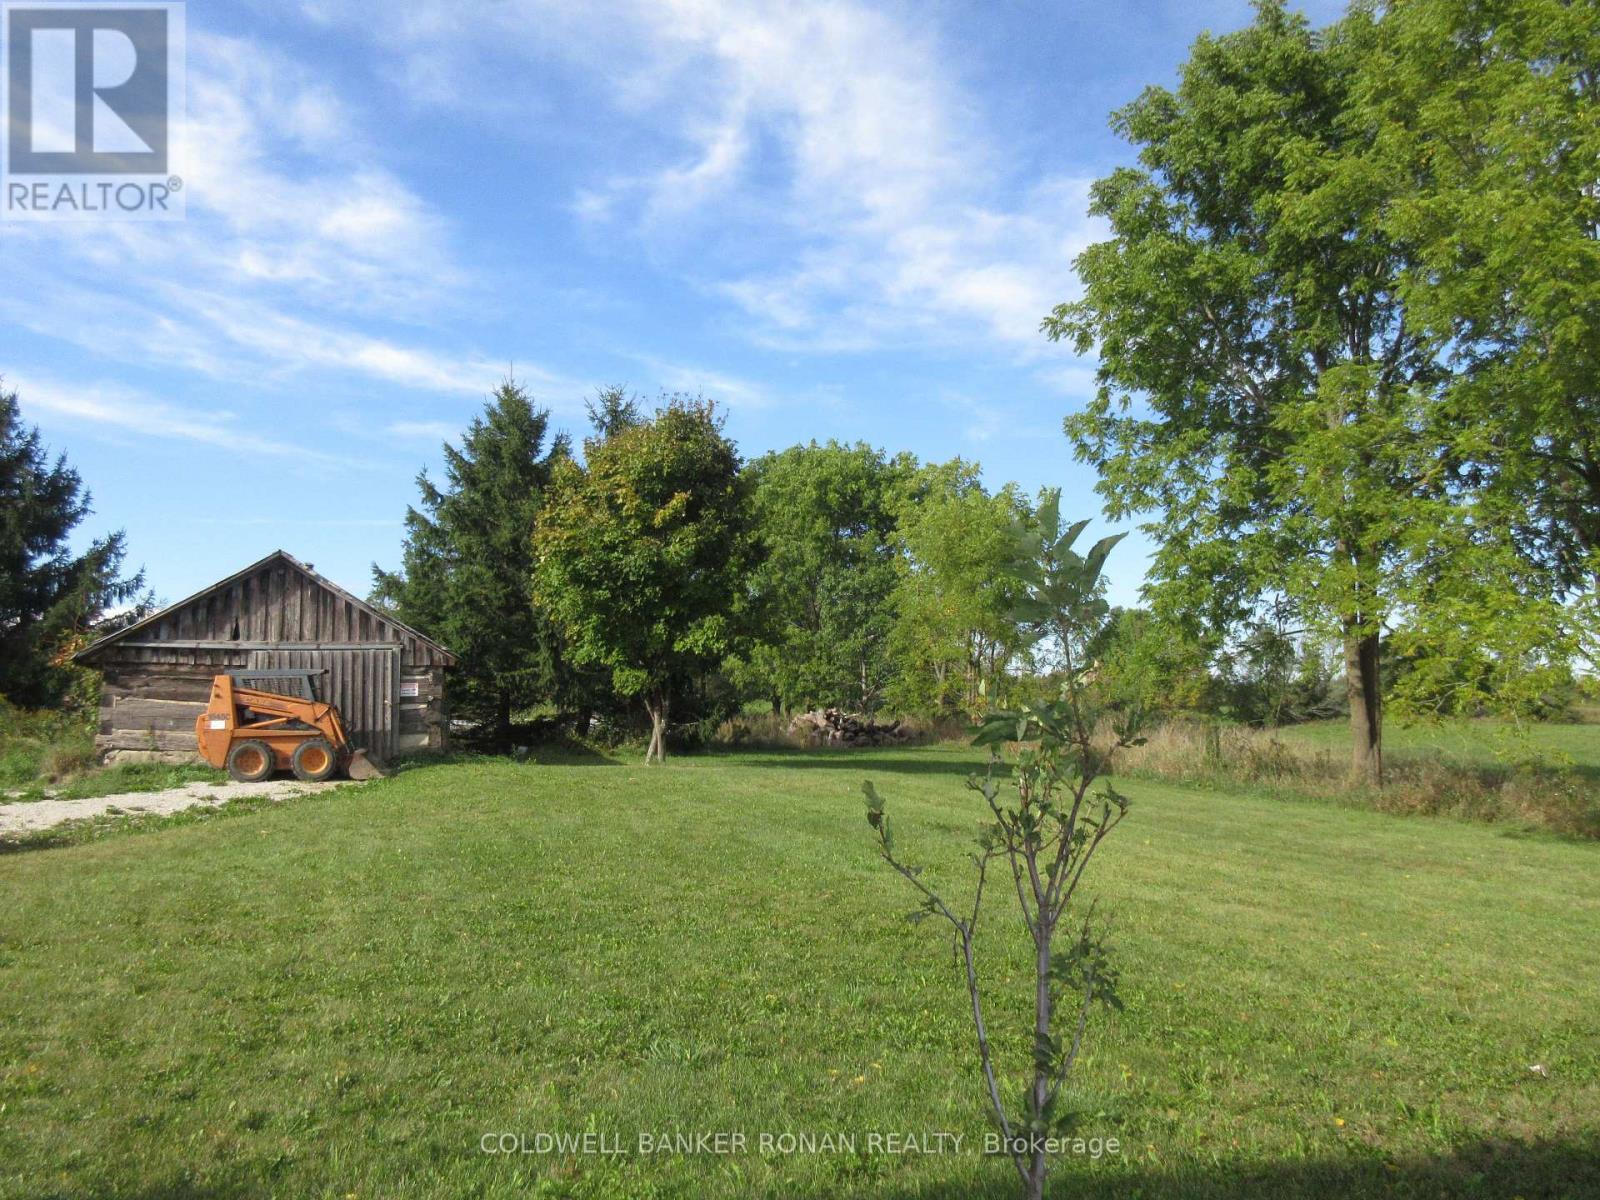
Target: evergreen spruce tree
x=468, y=561
x=49, y=597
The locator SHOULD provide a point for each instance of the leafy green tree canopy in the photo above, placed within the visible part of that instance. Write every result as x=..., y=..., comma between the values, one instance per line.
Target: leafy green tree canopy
x=643, y=552
x=826, y=519
x=1260, y=390
x=1487, y=114
x=956, y=634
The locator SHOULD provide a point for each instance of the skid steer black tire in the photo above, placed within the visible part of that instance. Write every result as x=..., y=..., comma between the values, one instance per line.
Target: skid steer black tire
x=314, y=760
x=250, y=761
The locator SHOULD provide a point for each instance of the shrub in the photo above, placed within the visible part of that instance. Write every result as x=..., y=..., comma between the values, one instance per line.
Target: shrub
x=43, y=746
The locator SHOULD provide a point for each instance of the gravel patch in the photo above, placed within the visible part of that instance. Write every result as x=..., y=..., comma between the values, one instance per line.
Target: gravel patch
x=44, y=814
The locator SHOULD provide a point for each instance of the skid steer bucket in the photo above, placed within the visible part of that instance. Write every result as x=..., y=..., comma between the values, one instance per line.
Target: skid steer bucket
x=365, y=766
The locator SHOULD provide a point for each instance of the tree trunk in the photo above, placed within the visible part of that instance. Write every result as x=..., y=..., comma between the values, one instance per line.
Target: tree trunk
x=502, y=721
x=657, y=707
x=1366, y=703
x=1038, y=1162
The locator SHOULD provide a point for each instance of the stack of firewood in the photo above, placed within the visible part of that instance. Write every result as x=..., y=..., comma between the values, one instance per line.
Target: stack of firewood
x=833, y=727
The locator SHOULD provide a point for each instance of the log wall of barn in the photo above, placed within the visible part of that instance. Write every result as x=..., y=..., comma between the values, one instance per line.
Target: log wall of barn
x=148, y=708
x=150, y=698
x=424, y=720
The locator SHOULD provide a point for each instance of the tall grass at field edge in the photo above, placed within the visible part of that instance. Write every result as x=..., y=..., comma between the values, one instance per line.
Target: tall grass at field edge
x=42, y=747
x=1529, y=791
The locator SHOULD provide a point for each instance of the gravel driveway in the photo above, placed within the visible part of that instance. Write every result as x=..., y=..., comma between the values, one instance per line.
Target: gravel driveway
x=33, y=815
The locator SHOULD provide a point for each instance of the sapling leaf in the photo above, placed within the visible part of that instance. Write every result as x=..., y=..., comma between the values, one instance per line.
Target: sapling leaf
x=1046, y=1052
x=1070, y=536
x=874, y=801
x=996, y=728
x=1096, y=560
x=1049, y=516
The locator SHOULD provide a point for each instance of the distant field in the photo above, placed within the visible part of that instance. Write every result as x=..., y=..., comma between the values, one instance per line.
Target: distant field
x=341, y=996
x=1479, y=742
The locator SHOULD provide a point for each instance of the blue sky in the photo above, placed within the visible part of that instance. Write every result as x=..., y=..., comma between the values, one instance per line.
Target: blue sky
x=840, y=220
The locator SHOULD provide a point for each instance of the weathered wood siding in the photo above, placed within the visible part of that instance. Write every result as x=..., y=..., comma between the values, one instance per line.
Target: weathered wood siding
x=275, y=607
x=388, y=682
x=363, y=684
x=424, y=720
x=149, y=710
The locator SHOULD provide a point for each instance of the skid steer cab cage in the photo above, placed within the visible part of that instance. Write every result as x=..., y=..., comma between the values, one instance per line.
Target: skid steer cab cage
x=299, y=684
x=258, y=722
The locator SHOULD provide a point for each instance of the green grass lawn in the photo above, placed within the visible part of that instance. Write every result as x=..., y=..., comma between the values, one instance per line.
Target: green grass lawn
x=340, y=996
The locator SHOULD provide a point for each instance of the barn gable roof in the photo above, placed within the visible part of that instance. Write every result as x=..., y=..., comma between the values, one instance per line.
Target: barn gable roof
x=160, y=626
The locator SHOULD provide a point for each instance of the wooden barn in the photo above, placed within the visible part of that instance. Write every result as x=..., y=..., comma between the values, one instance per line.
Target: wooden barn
x=386, y=678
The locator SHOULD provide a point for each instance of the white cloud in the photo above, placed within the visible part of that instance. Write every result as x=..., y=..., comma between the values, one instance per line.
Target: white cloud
x=836, y=138
x=241, y=337
x=891, y=193
x=1076, y=380
x=431, y=431
x=279, y=337
x=278, y=184
x=726, y=389
x=986, y=420
x=116, y=407
x=295, y=246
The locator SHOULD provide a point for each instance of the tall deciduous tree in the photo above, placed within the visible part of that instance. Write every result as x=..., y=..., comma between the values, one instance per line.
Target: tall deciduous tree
x=825, y=517
x=468, y=560
x=1260, y=389
x=48, y=594
x=1488, y=112
x=955, y=630
x=642, y=553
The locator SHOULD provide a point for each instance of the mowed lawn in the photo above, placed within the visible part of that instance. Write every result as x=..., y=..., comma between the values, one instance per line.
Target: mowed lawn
x=340, y=996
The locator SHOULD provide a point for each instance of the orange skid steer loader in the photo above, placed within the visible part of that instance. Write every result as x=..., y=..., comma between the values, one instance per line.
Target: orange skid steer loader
x=254, y=732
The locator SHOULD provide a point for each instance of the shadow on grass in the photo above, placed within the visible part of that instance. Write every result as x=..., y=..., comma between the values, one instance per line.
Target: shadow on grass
x=551, y=753
x=854, y=761
x=231, y=1186
x=40, y=839
x=1586, y=771
x=1548, y=1170
x=574, y=754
